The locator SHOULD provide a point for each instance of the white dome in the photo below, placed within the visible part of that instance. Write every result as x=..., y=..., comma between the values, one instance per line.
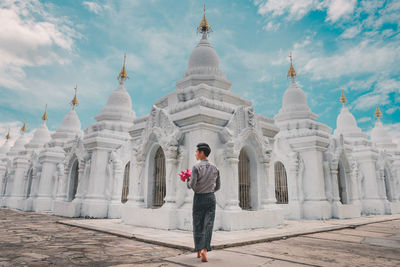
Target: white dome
x=294, y=98
x=346, y=123
x=41, y=135
x=5, y=148
x=203, y=56
x=19, y=145
x=118, y=107
x=379, y=134
x=70, y=123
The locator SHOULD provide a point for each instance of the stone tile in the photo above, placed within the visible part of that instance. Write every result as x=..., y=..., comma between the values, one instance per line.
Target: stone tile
x=222, y=258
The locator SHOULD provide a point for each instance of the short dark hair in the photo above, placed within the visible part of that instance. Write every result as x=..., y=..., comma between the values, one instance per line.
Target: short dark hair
x=205, y=148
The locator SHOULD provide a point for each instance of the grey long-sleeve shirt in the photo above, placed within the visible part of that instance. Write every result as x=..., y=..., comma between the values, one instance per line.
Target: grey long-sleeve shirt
x=205, y=178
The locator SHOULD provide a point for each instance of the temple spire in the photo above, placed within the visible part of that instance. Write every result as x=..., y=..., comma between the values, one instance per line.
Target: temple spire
x=74, y=101
x=292, y=72
x=204, y=26
x=343, y=99
x=44, y=116
x=123, y=75
x=378, y=113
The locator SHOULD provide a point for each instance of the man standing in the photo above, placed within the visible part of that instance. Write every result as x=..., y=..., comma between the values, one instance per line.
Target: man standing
x=204, y=181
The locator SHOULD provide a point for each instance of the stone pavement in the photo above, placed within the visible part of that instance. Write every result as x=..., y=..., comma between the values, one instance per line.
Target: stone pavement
x=34, y=239
x=223, y=239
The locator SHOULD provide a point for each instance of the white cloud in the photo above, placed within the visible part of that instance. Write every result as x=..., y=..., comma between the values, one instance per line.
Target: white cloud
x=30, y=37
x=370, y=100
x=351, y=32
x=380, y=95
x=339, y=8
x=297, y=9
x=365, y=57
x=271, y=26
x=93, y=7
x=392, y=110
x=364, y=119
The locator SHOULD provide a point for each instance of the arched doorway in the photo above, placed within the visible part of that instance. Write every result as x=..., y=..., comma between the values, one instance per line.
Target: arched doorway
x=281, y=187
x=29, y=183
x=244, y=180
x=125, y=184
x=387, y=185
x=73, y=180
x=342, y=186
x=159, y=189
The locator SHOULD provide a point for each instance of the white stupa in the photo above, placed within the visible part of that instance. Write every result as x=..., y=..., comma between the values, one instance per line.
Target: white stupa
x=117, y=114
x=346, y=124
x=379, y=135
x=20, y=143
x=70, y=126
x=5, y=147
x=294, y=102
x=41, y=135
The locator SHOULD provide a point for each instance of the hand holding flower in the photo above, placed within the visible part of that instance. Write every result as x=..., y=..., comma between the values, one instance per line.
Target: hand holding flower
x=185, y=175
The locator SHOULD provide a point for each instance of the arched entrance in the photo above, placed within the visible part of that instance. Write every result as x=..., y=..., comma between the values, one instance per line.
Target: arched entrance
x=342, y=186
x=281, y=187
x=29, y=183
x=73, y=181
x=125, y=184
x=159, y=189
x=244, y=180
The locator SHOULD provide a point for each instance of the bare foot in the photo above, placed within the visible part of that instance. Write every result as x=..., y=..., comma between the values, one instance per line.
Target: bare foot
x=198, y=253
x=203, y=254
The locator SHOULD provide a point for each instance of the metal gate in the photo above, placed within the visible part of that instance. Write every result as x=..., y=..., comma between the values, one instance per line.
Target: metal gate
x=159, y=179
x=342, y=184
x=125, y=184
x=74, y=180
x=29, y=184
x=281, y=188
x=244, y=181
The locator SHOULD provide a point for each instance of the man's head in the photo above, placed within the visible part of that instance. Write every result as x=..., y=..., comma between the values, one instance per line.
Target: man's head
x=202, y=151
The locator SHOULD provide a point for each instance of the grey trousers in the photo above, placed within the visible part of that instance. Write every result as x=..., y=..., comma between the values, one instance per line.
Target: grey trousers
x=203, y=220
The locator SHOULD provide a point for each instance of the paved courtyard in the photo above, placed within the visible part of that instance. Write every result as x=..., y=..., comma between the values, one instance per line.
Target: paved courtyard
x=32, y=239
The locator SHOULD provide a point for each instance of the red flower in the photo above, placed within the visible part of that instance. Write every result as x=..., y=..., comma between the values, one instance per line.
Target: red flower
x=185, y=175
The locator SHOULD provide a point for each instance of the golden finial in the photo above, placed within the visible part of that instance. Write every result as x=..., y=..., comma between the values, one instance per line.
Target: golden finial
x=23, y=128
x=292, y=72
x=378, y=113
x=204, y=26
x=74, y=101
x=343, y=99
x=44, y=117
x=123, y=75
x=8, y=136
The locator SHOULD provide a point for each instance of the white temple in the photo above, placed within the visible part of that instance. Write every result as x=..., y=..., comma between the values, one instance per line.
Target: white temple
x=287, y=167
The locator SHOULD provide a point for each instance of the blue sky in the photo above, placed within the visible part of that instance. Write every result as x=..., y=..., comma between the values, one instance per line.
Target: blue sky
x=46, y=47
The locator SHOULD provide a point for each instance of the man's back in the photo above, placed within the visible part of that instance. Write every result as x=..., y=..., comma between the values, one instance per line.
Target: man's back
x=205, y=178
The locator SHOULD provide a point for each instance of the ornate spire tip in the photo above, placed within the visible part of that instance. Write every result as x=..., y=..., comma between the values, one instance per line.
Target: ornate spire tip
x=123, y=75
x=44, y=117
x=23, y=128
x=8, y=136
x=378, y=113
x=292, y=71
x=343, y=99
x=74, y=101
x=204, y=26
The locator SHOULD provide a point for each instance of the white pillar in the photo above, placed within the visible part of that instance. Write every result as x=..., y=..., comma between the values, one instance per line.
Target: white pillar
x=49, y=159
